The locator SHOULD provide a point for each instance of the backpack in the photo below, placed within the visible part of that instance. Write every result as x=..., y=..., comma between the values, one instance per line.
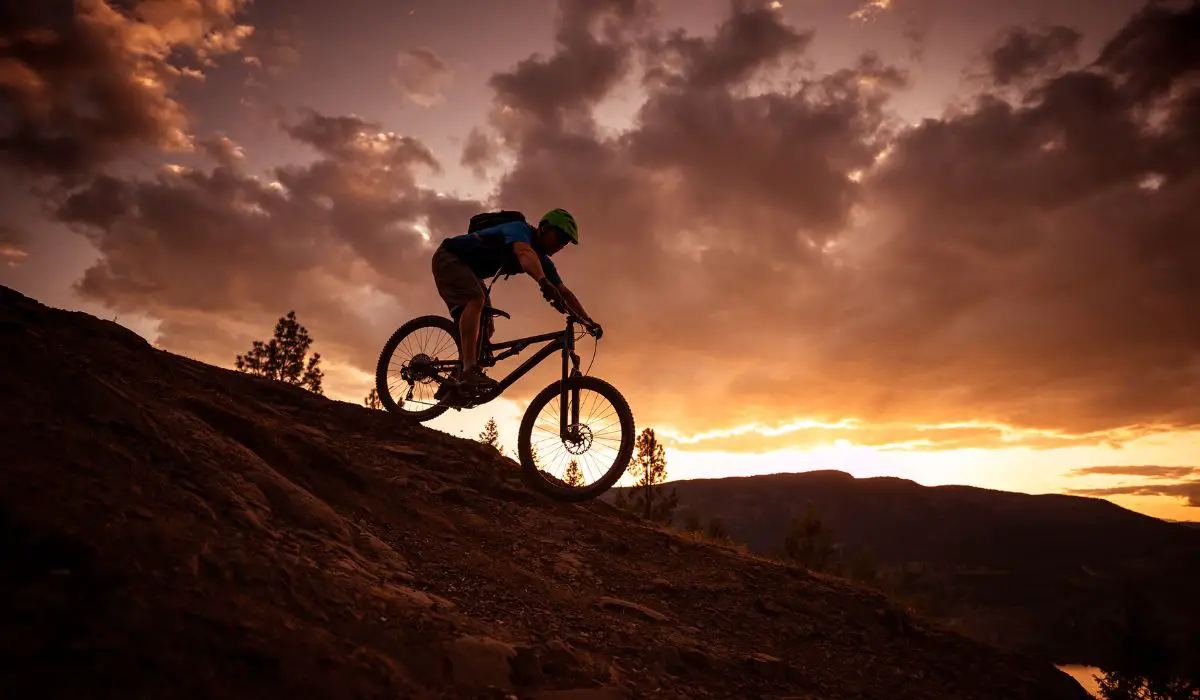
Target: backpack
x=489, y=219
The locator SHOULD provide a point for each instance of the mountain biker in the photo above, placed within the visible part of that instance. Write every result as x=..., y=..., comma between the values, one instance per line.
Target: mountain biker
x=461, y=263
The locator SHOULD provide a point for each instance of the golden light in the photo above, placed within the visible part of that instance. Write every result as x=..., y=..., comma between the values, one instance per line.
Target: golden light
x=870, y=9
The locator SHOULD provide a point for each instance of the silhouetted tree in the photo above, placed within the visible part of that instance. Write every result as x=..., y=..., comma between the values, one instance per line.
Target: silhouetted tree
x=691, y=522
x=1128, y=685
x=809, y=543
x=491, y=435
x=573, y=475
x=649, y=496
x=283, y=358
x=372, y=400
x=1150, y=663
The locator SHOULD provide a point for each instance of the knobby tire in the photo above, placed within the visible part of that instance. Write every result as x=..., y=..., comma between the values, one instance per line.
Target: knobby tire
x=529, y=470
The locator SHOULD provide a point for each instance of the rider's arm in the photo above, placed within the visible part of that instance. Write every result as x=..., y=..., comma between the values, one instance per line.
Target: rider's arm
x=573, y=302
x=530, y=261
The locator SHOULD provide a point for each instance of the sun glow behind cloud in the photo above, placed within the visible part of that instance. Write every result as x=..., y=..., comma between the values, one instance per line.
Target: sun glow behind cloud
x=868, y=11
x=1026, y=464
x=1017, y=468
x=1014, y=468
x=805, y=433
x=985, y=454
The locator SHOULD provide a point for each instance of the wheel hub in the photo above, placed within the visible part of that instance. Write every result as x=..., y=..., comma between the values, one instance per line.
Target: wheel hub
x=578, y=439
x=418, y=369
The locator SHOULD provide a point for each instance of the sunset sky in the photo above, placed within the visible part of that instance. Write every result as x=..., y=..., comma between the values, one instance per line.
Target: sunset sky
x=956, y=241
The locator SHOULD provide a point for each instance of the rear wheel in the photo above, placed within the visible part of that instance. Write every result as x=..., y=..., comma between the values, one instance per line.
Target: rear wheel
x=590, y=455
x=413, y=364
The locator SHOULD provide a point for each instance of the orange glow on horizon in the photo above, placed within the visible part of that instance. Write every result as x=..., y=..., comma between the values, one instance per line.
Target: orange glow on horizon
x=1016, y=467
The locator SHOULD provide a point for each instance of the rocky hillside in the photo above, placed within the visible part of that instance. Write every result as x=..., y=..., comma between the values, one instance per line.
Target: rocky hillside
x=1053, y=575
x=171, y=529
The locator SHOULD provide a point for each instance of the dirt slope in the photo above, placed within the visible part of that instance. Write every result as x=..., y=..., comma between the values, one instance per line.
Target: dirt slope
x=171, y=529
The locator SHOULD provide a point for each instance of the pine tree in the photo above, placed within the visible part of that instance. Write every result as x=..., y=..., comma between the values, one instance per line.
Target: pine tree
x=573, y=475
x=649, y=496
x=491, y=435
x=809, y=543
x=372, y=400
x=283, y=358
x=1150, y=661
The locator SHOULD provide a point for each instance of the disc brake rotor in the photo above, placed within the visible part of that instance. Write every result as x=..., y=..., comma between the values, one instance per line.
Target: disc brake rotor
x=578, y=439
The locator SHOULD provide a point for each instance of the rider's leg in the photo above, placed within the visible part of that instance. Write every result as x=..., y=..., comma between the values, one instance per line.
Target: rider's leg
x=468, y=332
x=461, y=289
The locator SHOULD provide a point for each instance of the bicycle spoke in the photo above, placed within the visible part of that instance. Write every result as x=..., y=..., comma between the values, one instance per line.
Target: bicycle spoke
x=597, y=446
x=432, y=344
x=446, y=343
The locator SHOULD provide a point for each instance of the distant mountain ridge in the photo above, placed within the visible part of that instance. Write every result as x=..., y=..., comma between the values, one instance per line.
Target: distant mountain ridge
x=1038, y=526
x=1049, y=574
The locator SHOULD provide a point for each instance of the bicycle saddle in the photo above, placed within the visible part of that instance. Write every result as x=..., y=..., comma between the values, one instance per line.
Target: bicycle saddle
x=491, y=311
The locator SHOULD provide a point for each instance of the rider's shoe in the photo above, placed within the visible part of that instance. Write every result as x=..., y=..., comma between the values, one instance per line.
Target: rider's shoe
x=476, y=381
x=447, y=387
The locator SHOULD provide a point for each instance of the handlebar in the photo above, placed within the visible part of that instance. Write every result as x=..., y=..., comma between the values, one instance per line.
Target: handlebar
x=572, y=316
x=488, y=311
x=555, y=299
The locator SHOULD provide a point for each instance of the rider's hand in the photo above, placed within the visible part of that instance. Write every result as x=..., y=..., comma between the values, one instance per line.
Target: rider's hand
x=552, y=295
x=595, y=329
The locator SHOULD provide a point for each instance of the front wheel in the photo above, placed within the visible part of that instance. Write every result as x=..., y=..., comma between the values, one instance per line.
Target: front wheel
x=581, y=457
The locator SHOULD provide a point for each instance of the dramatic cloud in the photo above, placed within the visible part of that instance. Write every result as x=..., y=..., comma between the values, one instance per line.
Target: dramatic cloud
x=1188, y=491
x=710, y=214
x=1019, y=260
x=220, y=254
x=746, y=43
x=422, y=76
x=594, y=51
x=223, y=150
x=80, y=87
x=1146, y=472
x=272, y=51
x=765, y=245
x=480, y=152
x=1024, y=53
x=900, y=437
x=12, y=245
x=1174, y=482
x=868, y=9
x=789, y=253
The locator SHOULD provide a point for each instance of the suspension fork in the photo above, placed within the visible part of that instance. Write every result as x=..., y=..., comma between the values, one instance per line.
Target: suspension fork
x=568, y=401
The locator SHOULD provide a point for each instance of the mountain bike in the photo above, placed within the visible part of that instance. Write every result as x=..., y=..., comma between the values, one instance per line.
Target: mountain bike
x=417, y=377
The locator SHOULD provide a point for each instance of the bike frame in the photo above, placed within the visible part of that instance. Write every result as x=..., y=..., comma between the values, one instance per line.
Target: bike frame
x=561, y=341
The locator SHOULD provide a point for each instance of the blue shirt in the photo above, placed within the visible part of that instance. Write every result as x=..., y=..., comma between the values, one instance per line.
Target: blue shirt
x=490, y=250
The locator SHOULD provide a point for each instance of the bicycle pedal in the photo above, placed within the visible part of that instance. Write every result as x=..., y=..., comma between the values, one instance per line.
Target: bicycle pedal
x=458, y=395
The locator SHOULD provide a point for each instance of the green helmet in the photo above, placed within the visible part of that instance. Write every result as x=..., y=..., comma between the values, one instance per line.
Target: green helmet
x=562, y=219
